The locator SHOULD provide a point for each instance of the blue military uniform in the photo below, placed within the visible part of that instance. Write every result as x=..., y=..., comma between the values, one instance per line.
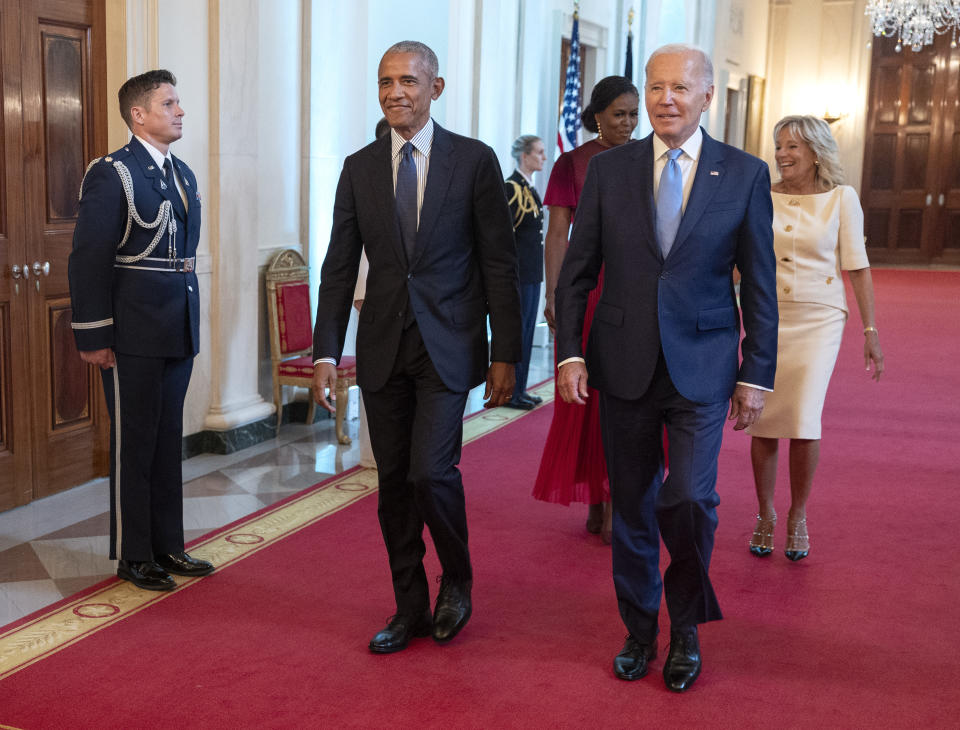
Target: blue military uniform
x=527, y=210
x=133, y=289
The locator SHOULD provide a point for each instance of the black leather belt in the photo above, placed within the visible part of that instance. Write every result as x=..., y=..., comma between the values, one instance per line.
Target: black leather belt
x=156, y=263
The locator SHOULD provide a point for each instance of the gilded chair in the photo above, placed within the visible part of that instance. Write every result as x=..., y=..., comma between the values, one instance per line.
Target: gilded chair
x=291, y=337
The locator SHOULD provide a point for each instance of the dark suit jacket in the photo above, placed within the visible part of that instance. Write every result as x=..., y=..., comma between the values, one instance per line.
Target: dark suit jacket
x=528, y=231
x=464, y=265
x=135, y=311
x=685, y=304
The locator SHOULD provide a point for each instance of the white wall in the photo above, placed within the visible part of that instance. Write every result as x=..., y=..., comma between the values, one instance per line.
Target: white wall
x=819, y=60
x=739, y=51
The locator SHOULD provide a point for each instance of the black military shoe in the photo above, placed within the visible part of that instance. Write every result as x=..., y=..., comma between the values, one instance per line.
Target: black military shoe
x=183, y=564
x=145, y=574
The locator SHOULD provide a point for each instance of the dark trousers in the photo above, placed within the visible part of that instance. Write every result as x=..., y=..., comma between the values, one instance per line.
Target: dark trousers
x=680, y=508
x=416, y=432
x=146, y=435
x=529, y=301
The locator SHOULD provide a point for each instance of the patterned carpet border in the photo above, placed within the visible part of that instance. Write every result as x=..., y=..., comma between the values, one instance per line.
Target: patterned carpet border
x=69, y=622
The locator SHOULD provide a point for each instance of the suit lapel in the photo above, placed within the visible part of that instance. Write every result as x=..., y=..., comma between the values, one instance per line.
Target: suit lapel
x=380, y=182
x=706, y=183
x=441, y=170
x=640, y=188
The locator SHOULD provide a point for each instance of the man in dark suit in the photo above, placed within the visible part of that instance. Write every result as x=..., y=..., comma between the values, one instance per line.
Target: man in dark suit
x=428, y=208
x=669, y=217
x=136, y=309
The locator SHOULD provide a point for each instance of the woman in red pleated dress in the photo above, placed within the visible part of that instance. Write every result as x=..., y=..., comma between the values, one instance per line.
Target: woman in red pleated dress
x=573, y=468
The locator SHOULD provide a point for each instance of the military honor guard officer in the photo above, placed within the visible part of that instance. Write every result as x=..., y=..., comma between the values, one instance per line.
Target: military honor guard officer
x=527, y=211
x=136, y=308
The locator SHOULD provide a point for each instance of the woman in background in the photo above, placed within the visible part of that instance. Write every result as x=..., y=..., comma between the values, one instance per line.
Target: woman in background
x=818, y=232
x=527, y=212
x=572, y=468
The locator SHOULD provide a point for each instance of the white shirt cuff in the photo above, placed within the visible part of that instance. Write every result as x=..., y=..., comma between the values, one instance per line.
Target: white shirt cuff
x=758, y=387
x=330, y=360
x=570, y=359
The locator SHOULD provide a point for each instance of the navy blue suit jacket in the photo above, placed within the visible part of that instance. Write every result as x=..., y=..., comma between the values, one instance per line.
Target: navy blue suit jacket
x=134, y=311
x=464, y=265
x=684, y=304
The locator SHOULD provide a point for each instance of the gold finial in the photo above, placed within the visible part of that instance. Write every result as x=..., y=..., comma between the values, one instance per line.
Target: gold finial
x=576, y=9
x=630, y=18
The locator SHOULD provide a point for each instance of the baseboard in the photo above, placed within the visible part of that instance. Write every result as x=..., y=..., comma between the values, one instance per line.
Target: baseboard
x=250, y=434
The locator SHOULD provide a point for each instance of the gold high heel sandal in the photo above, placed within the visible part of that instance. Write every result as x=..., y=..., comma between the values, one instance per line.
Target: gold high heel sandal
x=798, y=541
x=761, y=544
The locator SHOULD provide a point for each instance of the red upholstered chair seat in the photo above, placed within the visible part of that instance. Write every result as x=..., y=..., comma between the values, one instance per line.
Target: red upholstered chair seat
x=299, y=367
x=347, y=367
x=302, y=367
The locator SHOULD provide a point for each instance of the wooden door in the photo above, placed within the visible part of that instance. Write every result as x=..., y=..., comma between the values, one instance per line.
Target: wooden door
x=16, y=480
x=911, y=181
x=59, y=56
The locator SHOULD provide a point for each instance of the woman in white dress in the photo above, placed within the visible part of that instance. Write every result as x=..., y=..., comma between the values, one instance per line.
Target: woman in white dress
x=818, y=232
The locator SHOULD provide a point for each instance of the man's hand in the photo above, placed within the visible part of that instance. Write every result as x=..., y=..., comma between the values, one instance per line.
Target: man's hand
x=745, y=406
x=103, y=358
x=324, y=380
x=572, y=383
x=501, y=377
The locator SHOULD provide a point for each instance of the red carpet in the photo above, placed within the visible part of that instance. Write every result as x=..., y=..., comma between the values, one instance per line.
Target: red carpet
x=861, y=634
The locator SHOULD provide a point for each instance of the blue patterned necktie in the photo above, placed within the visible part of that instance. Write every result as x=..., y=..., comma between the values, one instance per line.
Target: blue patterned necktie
x=669, y=202
x=406, y=194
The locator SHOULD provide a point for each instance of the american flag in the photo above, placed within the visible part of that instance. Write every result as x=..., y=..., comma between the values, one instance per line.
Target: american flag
x=568, y=127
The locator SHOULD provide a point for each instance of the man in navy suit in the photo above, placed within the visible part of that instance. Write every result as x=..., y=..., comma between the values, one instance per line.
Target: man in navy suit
x=428, y=208
x=669, y=217
x=136, y=311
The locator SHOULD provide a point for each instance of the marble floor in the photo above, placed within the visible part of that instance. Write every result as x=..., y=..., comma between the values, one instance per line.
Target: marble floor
x=57, y=546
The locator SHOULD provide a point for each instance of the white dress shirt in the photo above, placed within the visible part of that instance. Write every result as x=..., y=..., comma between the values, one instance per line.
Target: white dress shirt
x=159, y=157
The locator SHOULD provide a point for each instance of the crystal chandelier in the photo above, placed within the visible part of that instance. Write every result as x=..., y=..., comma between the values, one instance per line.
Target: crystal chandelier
x=914, y=22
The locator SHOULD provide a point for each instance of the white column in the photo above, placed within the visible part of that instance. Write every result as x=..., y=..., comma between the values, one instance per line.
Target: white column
x=233, y=218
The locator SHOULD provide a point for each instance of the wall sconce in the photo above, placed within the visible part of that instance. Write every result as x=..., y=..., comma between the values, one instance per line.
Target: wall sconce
x=837, y=102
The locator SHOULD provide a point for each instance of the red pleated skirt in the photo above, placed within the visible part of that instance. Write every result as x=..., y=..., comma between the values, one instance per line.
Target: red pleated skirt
x=573, y=468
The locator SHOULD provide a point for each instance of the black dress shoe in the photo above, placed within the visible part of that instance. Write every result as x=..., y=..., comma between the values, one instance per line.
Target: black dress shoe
x=683, y=663
x=183, y=564
x=453, y=609
x=633, y=660
x=535, y=399
x=519, y=403
x=145, y=574
x=398, y=632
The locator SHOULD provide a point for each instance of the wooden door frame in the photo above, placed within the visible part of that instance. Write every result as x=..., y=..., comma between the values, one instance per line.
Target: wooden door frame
x=16, y=463
x=61, y=457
